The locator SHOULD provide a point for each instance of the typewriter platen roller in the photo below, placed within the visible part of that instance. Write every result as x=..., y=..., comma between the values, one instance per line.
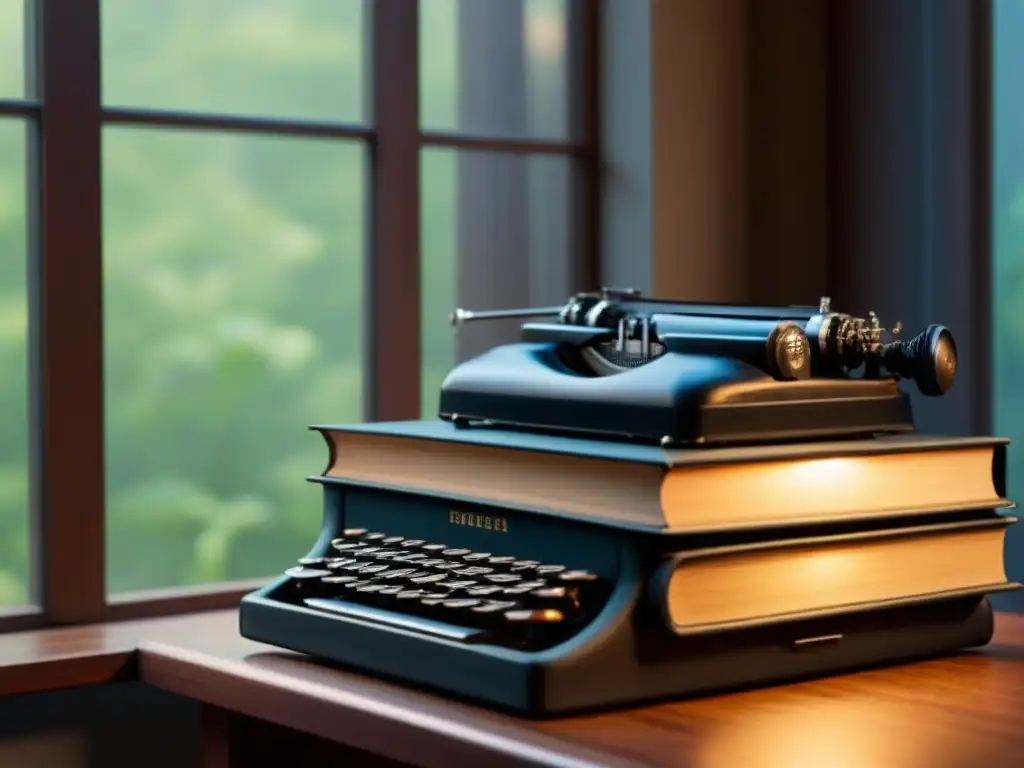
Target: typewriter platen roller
x=614, y=364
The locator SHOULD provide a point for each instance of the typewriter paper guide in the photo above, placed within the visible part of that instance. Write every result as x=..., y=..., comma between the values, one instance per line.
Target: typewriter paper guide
x=674, y=490
x=713, y=590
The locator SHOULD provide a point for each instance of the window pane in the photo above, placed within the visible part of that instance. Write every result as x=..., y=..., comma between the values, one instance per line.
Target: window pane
x=14, y=514
x=496, y=234
x=495, y=67
x=1008, y=205
x=282, y=58
x=233, y=304
x=12, y=48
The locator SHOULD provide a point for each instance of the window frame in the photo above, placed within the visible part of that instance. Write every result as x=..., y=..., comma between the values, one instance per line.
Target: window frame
x=66, y=117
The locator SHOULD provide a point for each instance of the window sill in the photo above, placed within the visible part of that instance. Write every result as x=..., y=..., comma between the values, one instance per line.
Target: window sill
x=145, y=604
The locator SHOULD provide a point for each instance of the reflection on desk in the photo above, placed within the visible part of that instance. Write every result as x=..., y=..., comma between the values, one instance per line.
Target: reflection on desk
x=960, y=711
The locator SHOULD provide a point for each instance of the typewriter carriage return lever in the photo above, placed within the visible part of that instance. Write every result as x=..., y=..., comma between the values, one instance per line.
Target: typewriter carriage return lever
x=840, y=343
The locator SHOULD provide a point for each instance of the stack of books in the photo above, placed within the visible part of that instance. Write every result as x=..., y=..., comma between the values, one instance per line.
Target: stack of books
x=752, y=536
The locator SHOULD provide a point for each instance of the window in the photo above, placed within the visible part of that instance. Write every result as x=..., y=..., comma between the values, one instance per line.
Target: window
x=14, y=486
x=1008, y=230
x=14, y=443
x=1007, y=287
x=232, y=279
x=235, y=220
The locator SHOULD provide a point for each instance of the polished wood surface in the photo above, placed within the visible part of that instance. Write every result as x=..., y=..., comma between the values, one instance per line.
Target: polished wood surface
x=49, y=659
x=966, y=710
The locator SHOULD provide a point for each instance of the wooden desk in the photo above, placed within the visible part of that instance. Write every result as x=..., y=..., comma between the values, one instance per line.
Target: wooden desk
x=961, y=711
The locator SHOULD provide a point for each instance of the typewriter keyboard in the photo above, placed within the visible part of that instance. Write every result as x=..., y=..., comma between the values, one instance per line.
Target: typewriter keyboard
x=451, y=592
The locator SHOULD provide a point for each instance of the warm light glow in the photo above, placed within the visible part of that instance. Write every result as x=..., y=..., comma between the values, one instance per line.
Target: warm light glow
x=819, y=473
x=545, y=32
x=823, y=486
x=759, y=583
x=552, y=615
x=827, y=734
x=827, y=568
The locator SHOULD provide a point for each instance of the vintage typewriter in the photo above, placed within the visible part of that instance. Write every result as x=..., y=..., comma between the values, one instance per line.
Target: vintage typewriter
x=555, y=620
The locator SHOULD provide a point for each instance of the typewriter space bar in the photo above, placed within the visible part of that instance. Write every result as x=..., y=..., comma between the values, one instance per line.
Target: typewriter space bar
x=394, y=620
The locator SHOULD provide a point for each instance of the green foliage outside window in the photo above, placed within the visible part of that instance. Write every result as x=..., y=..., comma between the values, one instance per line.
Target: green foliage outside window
x=233, y=279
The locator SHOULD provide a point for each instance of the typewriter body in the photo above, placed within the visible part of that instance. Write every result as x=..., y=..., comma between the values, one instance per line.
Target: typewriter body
x=543, y=615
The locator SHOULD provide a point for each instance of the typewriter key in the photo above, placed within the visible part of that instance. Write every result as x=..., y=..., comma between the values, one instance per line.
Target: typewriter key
x=410, y=595
x=435, y=547
x=312, y=562
x=346, y=546
x=502, y=561
x=458, y=588
x=577, y=577
x=429, y=606
x=339, y=580
x=473, y=570
x=524, y=565
x=491, y=612
x=392, y=540
x=369, y=594
x=485, y=591
x=495, y=606
x=549, y=570
x=431, y=578
x=339, y=562
x=374, y=536
x=397, y=573
x=459, y=603
x=516, y=591
x=367, y=553
x=306, y=581
x=413, y=543
x=352, y=533
x=456, y=552
x=433, y=562
x=531, y=585
x=463, y=584
x=369, y=570
x=412, y=557
x=388, y=593
x=305, y=574
x=546, y=616
x=476, y=557
x=503, y=578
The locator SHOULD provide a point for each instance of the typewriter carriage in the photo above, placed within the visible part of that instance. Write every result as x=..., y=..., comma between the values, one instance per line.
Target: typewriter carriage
x=617, y=365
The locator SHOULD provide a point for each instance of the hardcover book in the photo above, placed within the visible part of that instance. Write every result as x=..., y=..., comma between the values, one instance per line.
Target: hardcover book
x=675, y=490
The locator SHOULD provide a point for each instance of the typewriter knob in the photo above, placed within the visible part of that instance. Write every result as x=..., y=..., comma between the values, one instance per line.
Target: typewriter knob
x=930, y=359
x=789, y=352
